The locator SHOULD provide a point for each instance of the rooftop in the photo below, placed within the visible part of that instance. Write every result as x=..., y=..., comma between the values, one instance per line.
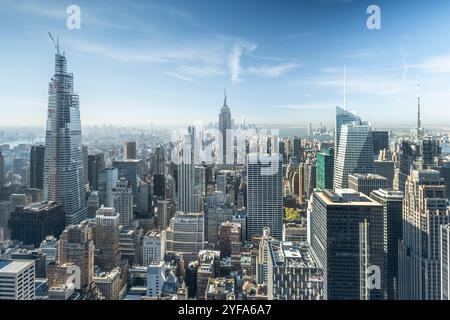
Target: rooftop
x=345, y=197
x=39, y=206
x=14, y=266
x=367, y=176
x=291, y=254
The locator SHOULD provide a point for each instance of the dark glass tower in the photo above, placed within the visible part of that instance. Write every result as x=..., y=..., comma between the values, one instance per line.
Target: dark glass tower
x=37, y=155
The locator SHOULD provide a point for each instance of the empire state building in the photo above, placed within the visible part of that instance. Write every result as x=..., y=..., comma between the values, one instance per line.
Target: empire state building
x=224, y=126
x=63, y=164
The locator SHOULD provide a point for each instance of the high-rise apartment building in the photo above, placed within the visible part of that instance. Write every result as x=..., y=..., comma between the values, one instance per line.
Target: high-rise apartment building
x=264, y=195
x=63, y=162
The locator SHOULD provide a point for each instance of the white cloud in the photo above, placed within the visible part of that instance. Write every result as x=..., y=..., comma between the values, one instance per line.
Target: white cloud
x=178, y=76
x=267, y=71
x=234, y=58
x=439, y=64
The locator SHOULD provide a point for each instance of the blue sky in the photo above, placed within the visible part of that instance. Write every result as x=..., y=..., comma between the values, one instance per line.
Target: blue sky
x=167, y=62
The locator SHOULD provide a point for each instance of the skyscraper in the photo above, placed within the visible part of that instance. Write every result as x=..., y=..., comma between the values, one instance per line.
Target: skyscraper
x=297, y=148
x=132, y=170
x=354, y=152
x=123, y=202
x=392, y=202
x=292, y=273
x=186, y=173
x=33, y=223
x=63, y=162
x=130, y=152
x=37, y=156
x=445, y=261
x=366, y=182
x=342, y=117
x=153, y=247
x=186, y=234
x=2, y=171
x=224, y=126
x=106, y=182
x=264, y=195
x=346, y=234
x=380, y=142
x=106, y=239
x=385, y=169
x=325, y=169
x=424, y=212
x=17, y=280
x=159, y=161
x=76, y=246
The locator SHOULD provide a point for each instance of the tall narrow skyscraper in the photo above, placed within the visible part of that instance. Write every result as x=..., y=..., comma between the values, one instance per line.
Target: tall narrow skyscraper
x=2, y=171
x=342, y=117
x=186, y=173
x=37, y=155
x=63, y=163
x=224, y=126
x=354, y=152
x=265, y=197
x=424, y=212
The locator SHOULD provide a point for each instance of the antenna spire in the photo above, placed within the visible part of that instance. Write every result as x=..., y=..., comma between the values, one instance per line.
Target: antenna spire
x=225, y=96
x=419, y=120
x=345, y=87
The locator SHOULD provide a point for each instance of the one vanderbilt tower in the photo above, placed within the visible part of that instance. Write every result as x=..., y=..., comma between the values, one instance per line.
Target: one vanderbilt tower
x=63, y=166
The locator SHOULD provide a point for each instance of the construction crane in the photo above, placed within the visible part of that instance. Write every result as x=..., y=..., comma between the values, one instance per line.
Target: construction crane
x=55, y=42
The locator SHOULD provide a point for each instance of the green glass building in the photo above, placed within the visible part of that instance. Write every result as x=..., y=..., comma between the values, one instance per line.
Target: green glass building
x=325, y=169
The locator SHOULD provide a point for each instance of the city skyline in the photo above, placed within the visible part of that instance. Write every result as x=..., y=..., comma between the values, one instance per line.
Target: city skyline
x=239, y=202
x=291, y=73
